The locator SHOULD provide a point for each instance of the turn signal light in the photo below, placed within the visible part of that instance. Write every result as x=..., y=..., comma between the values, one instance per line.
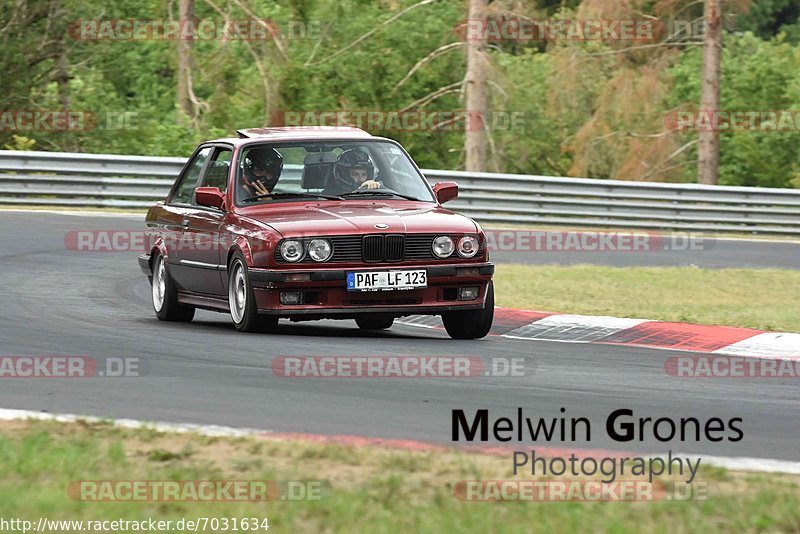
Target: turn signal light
x=297, y=277
x=291, y=298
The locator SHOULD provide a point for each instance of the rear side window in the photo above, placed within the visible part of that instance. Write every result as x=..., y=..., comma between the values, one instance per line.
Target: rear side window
x=184, y=194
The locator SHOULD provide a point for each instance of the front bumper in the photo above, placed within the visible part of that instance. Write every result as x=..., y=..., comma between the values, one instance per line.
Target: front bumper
x=144, y=264
x=437, y=271
x=326, y=296
x=325, y=293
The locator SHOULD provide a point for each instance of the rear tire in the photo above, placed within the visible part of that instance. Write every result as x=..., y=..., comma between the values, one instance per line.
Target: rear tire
x=471, y=324
x=165, y=294
x=374, y=322
x=242, y=300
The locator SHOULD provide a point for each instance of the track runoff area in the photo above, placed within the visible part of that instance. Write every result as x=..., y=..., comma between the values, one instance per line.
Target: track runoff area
x=624, y=448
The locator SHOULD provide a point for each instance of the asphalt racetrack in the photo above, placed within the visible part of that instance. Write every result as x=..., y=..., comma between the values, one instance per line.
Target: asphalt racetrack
x=56, y=301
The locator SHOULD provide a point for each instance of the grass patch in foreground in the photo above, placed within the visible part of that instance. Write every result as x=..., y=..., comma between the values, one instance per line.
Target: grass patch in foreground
x=372, y=489
x=765, y=299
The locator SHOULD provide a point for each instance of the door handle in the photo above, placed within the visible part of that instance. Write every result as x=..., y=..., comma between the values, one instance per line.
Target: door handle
x=185, y=222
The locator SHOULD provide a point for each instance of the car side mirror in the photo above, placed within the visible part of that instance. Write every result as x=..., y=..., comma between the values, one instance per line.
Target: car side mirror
x=445, y=191
x=210, y=196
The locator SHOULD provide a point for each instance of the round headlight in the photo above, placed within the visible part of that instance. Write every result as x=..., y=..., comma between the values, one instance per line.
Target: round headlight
x=467, y=246
x=292, y=250
x=319, y=249
x=443, y=246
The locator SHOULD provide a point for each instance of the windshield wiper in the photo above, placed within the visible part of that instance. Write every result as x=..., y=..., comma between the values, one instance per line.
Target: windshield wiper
x=381, y=193
x=291, y=195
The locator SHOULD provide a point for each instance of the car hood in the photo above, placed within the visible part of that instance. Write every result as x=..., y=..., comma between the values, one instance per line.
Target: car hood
x=345, y=218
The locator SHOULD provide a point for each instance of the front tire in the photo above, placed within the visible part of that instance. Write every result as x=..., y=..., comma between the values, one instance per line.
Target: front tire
x=374, y=322
x=165, y=294
x=471, y=324
x=242, y=300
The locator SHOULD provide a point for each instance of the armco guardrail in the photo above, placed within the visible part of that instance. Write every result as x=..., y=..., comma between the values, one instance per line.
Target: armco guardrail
x=62, y=179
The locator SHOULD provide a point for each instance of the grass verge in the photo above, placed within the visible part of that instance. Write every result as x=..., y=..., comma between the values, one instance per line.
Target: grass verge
x=373, y=489
x=765, y=299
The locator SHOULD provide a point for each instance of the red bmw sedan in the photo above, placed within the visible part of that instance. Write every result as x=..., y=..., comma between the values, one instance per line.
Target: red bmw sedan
x=315, y=223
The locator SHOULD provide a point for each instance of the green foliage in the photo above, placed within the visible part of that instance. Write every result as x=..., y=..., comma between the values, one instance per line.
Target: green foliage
x=20, y=142
x=767, y=18
x=565, y=108
x=758, y=75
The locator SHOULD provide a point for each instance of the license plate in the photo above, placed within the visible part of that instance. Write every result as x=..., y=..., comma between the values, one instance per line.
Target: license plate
x=386, y=280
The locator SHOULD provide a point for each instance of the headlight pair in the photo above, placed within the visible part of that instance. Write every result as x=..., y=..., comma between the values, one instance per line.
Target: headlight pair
x=467, y=246
x=294, y=250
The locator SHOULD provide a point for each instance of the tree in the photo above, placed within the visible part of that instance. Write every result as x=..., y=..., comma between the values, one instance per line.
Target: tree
x=477, y=94
x=708, y=148
x=185, y=45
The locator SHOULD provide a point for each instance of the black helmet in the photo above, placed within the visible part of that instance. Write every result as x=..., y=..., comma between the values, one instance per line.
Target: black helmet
x=355, y=158
x=268, y=158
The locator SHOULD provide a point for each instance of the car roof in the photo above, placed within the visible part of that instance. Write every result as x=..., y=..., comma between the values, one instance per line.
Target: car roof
x=294, y=133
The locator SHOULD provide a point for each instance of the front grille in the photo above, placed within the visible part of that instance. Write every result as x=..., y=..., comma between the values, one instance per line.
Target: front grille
x=380, y=247
x=394, y=248
x=418, y=246
x=377, y=248
x=372, y=248
x=346, y=249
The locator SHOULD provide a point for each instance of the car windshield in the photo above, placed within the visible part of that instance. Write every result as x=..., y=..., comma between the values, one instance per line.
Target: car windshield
x=339, y=170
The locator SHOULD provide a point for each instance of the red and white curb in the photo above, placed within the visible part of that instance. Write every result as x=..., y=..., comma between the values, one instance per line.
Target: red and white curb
x=568, y=328
x=764, y=465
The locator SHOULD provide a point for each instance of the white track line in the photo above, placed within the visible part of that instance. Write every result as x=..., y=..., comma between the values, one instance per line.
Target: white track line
x=718, y=237
x=180, y=428
x=770, y=345
x=569, y=328
x=764, y=465
x=577, y=328
x=131, y=215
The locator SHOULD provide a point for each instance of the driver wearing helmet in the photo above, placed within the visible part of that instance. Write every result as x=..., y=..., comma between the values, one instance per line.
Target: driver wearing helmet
x=353, y=171
x=261, y=172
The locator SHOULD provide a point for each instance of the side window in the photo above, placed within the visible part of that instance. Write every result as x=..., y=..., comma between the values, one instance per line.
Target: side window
x=185, y=192
x=217, y=172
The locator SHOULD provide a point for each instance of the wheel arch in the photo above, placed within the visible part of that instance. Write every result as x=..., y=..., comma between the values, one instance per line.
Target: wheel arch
x=241, y=245
x=159, y=247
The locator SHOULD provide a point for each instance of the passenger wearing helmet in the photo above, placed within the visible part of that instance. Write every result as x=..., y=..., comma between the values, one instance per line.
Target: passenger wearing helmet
x=262, y=169
x=353, y=171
